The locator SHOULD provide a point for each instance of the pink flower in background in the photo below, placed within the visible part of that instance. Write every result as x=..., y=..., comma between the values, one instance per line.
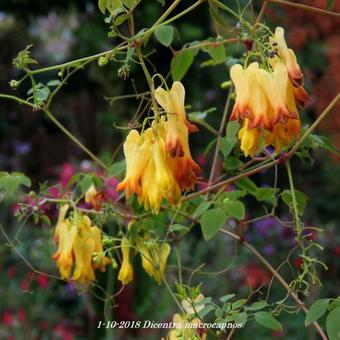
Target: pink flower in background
x=7, y=318
x=110, y=193
x=42, y=281
x=67, y=171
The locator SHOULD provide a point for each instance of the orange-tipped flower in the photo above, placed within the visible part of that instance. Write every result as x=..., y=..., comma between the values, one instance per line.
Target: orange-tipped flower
x=137, y=151
x=288, y=57
x=172, y=103
x=78, y=244
x=158, y=161
x=267, y=99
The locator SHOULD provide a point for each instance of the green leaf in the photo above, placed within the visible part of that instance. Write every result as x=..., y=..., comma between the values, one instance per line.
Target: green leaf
x=178, y=227
x=333, y=324
x=117, y=169
x=10, y=182
x=42, y=94
x=121, y=18
x=218, y=16
x=54, y=82
x=266, y=194
x=241, y=318
x=217, y=53
x=233, y=195
x=301, y=200
x=257, y=305
x=207, y=309
x=181, y=63
x=267, y=320
x=232, y=128
x=234, y=208
x=227, y=297
x=204, y=206
x=226, y=145
x=330, y=4
x=102, y=4
x=85, y=183
x=239, y=303
x=248, y=185
x=211, y=221
x=165, y=35
x=317, y=309
x=231, y=163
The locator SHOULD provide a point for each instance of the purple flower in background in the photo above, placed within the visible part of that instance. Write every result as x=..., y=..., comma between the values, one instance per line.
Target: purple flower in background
x=264, y=226
x=110, y=192
x=22, y=148
x=269, y=250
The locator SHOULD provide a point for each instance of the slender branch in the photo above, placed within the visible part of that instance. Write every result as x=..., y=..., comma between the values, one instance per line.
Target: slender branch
x=230, y=180
x=279, y=278
x=74, y=139
x=17, y=99
x=262, y=11
x=219, y=135
x=305, y=7
x=322, y=116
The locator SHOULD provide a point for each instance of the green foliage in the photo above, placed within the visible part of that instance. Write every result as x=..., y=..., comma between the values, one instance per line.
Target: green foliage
x=317, y=309
x=301, y=200
x=181, y=63
x=211, y=221
x=165, y=34
x=333, y=324
x=10, y=182
x=24, y=59
x=267, y=320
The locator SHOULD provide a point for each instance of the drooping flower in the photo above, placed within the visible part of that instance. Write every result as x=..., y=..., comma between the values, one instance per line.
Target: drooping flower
x=158, y=161
x=172, y=102
x=287, y=55
x=137, y=151
x=125, y=275
x=94, y=197
x=250, y=139
x=267, y=99
x=154, y=258
x=78, y=242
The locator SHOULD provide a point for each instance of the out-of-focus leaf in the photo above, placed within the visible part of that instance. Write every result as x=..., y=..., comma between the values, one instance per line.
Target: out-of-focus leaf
x=301, y=199
x=267, y=320
x=181, y=63
x=234, y=208
x=330, y=4
x=248, y=185
x=117, y=169
x=9, y=182
x=165, y=34
x=211, y=221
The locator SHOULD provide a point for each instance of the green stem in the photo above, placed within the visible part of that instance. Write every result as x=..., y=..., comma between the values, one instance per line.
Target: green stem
x=74, y=139
x=279, y=278
x=17, y=99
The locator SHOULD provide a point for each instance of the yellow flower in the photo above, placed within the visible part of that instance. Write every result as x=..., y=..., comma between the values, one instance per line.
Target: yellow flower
x=173, y=104
x=94, y=197
x=187, y=329
x=288, y=57
x=78, y=241
x=240, y=80
x=154, y=259
x=125, y=275
x=250, y=139
x=137, y=151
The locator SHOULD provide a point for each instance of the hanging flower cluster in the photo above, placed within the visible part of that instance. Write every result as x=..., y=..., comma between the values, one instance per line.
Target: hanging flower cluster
x=267, y=100
x=80, y=248
x=158, y=161
x=154, y=258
